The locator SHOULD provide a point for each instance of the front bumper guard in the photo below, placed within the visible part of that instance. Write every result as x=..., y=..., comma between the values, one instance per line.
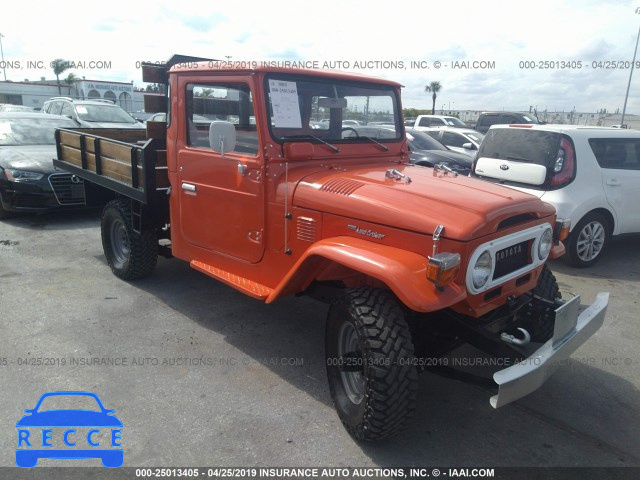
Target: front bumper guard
x=573, y=326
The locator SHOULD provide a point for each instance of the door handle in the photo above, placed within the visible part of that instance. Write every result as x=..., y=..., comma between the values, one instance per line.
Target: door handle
x=613, y=182
x=189, y=187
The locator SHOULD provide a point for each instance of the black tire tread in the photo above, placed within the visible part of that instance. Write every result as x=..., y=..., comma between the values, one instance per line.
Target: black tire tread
x=547, y=288
x=392, y=388
x=144, y=245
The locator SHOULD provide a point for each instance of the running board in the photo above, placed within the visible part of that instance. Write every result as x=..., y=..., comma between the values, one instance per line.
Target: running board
x=246, y=286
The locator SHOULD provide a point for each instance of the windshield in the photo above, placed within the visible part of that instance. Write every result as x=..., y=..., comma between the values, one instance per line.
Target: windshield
x=31, y=131
x=475, y=136
x=333, y=111
x=455, y=122
x=69, y=402
x=103, y=113
x=421, y=141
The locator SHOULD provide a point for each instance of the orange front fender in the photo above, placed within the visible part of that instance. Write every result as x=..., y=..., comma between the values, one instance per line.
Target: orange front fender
x=402, y=271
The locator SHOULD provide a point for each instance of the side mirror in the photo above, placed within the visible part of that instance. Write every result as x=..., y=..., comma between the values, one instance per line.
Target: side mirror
x=296, y=151
x=222, y=136
x=469, y=146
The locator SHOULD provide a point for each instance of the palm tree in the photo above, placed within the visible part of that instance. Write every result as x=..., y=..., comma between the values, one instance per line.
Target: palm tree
x=435, y=88
x=59, y=65
x=71, y=81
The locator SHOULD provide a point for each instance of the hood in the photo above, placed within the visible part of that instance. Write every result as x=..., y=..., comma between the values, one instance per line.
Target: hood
x=136, y=125
x=33, y=158
x=467, y=207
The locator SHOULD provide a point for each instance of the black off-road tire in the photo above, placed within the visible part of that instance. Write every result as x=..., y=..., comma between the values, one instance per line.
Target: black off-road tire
x=130, y=255
x=541, y=326
x=593, y=228
x=384, y=353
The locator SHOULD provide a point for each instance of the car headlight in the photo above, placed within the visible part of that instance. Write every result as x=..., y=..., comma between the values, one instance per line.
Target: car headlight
x=21, y=175
x=544, y=246
x=482, y=270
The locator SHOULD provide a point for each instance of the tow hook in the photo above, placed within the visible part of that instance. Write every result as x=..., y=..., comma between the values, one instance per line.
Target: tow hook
x=507, y=338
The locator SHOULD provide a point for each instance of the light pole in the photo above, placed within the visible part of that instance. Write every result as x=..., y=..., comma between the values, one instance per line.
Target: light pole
x=624, y=108
x=4, y=66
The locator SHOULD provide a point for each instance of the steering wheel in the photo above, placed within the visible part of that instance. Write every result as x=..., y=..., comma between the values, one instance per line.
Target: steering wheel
x=350, y=128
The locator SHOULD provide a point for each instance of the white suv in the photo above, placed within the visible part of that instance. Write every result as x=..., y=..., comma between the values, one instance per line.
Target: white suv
x=590, y=175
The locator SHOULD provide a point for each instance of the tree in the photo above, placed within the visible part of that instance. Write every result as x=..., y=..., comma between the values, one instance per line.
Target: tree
x=71, y=81
x=433, y=87
x=59, y=65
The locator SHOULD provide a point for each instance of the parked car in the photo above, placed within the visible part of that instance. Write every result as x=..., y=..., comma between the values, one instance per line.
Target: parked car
x=91, y=113
x=486, y=119
x=591, y=176
x=462, y=140
x=438, y=121
x=28, y=180
x=427, y=152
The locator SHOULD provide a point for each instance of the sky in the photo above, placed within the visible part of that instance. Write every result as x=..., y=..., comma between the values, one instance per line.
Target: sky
x=492, y=54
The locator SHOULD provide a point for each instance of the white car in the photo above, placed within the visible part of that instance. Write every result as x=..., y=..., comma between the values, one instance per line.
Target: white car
x=463, y=140
x=591, y=175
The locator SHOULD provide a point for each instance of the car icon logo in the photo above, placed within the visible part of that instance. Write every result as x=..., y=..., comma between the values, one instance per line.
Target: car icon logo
x=504, y=166
x=91, y=431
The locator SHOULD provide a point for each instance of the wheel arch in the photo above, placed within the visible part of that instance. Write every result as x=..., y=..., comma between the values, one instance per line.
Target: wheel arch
x=401, y=271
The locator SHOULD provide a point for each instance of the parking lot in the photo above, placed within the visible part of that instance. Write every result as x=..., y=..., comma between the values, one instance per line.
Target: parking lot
x=202, y=375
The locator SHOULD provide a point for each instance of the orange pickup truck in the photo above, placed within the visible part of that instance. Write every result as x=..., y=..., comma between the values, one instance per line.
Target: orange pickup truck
x=283, y=182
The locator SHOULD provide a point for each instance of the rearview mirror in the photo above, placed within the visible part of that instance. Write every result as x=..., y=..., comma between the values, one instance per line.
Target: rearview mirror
x=222, y=136
x=469, y=146
x=330, y=102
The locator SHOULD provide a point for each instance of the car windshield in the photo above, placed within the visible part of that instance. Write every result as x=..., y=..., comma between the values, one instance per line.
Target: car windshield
x=69, y=402
x=31, y=131
x=103, y=113
x=475, y=136
x=453, y=121
x=301, y=108
x=422, y=141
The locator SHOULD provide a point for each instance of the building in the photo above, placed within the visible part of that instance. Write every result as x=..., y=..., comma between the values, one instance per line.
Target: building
x=34, y=94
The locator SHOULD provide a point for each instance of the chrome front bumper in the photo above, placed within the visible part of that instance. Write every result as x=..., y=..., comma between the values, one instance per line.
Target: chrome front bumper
x=573, y=326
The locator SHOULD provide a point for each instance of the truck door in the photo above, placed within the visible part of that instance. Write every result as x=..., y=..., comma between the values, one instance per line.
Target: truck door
x=221, y=193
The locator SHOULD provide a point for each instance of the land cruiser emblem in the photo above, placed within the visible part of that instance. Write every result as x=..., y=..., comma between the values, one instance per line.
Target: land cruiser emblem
x=366, y=232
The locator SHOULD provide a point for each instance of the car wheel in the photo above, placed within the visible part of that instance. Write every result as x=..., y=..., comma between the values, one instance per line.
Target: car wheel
x=131, y=255
x=588, y=240
x=369, y=354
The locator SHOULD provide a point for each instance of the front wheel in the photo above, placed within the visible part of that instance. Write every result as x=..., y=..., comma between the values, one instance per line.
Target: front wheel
x=131, y=255
x=587, y=241
x=370, y=363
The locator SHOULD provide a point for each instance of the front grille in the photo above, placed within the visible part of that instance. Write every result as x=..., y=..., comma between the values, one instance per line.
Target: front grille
x=511, y=259
x=68, y=189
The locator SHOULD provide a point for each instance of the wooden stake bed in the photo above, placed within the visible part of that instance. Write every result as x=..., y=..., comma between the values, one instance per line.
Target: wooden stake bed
x=123, y=160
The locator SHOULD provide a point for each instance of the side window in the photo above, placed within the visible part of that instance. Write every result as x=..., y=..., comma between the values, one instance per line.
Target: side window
x=452, y=139
x=67, y=110
x=232, y=103
x=435, y=135
x=55, y=108
x=617, y=153
x=425, y=122
x=507, y=119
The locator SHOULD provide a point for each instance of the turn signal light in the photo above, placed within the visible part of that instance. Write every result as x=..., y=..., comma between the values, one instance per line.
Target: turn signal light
x=561, y=232
x=443, y=268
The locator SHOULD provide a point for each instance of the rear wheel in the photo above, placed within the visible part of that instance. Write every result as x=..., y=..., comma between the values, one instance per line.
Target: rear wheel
x=370, y=355
x=588, y=240
x=131, y=255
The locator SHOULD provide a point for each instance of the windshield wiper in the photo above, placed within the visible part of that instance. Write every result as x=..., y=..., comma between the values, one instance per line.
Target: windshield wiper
x=293, y=137
x=384, y=147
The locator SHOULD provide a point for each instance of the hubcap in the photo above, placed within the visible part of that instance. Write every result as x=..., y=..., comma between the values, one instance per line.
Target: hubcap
x=351, y=370
x=119, y=242
x=590, y=241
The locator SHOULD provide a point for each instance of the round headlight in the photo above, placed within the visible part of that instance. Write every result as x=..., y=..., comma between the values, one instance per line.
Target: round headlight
x=544, y=247
x=482, y=270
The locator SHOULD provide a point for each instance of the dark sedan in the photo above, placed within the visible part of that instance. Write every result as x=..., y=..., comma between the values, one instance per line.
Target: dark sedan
x=427, y=151
x=28, y=180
